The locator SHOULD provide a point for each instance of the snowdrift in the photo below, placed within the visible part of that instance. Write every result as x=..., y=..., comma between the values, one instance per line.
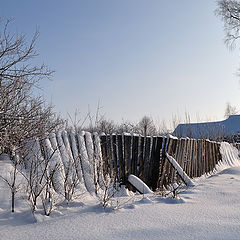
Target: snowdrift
x=230, y=156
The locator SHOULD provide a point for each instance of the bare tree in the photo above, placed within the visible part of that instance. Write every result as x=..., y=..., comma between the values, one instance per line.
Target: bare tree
x=230, y=110
x=127, y=127
x=22, y=115
x=35, y=173
x=91, y=122
x=40, y=174
x=229, y=12
x=146, y=126
x=106, y=126
x=162, y=128
x=48, y=195
x=11, y=178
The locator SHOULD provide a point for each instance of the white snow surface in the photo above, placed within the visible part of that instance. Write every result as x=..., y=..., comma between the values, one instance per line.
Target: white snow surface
x=209, y=210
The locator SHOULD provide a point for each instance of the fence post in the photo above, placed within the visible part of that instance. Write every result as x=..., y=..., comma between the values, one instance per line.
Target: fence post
x=109, y=156
x=114, y=157
x=121, y=162
x=134, y=159
x=127, y=154
x=165, y=164
x=146, y=158
x=103, y=140
x=156, y=163
x=140, y=156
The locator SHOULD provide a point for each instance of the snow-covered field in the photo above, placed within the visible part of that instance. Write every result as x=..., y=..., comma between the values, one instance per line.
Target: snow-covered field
x=209, y=210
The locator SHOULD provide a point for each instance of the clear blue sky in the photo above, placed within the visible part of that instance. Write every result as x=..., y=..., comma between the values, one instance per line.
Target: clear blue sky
x=153, y=57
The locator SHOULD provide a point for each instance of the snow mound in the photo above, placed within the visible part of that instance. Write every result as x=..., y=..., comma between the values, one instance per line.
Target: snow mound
x=231, y=171
x=230, y=157
x=145, y=200
x=139, y=184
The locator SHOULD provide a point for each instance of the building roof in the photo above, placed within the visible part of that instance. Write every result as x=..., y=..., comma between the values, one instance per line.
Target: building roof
x=210, y=130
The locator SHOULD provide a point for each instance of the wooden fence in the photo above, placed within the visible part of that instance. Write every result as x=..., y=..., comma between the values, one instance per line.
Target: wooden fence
x=145, y=157
x=121, y=155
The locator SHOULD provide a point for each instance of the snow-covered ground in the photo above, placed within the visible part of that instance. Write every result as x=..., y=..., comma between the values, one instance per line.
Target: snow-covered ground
x=209, y=210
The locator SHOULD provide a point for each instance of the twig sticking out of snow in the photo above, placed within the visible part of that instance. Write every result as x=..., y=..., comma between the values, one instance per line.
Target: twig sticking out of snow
x=180, y=171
